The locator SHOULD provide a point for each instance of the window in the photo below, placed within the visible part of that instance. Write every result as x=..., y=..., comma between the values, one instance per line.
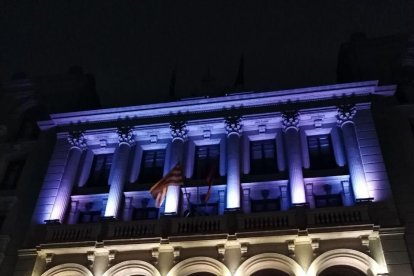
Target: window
x=89, y=216
x=263, y=157
x=206, y=160
x=152, y=165
x=145, y=213
x=334, y=200
x=12, y=174
x=265, y=205
x=101, y=167
x=320, y=152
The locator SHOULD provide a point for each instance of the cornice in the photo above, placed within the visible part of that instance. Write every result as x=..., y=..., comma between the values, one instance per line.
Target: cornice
x=219, y=104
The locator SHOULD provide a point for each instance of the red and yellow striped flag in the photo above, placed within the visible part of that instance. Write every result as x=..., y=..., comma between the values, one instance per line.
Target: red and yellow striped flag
x=159, y=189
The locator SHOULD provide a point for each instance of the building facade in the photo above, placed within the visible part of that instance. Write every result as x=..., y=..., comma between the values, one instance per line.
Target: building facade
x=299, y=187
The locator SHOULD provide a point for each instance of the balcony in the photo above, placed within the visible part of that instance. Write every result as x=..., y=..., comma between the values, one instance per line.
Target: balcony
x=230, y=223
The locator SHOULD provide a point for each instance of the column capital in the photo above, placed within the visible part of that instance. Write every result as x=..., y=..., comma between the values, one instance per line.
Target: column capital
x=77, y=139
x=290, y=119
x=179, y=129
x=346, y=113
x=233, y=124
x=125, y=135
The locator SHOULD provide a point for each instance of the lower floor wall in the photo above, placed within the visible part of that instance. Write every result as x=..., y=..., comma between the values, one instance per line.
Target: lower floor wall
x=360, y=250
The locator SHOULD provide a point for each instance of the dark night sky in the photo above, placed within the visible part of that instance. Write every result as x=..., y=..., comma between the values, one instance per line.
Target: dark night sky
x=132, y=46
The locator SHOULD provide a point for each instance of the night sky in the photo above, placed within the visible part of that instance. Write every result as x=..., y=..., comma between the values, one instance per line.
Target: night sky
x=132, y=47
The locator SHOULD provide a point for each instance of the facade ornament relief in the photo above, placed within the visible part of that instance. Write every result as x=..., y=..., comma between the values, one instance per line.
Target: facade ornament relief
x=346, y=113
x=90, y=255
x=291, y=248
x=290, y=119
x=111, y=257
x=315, y=247
x=77, y=139
x=125, y=135
x=176, y=254
x=179, y=129
x=221, y=250
x=49, y=259
x=155, y=253
x=233, y=125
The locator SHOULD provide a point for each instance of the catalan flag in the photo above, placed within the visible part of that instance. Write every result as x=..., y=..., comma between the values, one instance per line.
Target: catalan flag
x=159, y=189
x=210, y=177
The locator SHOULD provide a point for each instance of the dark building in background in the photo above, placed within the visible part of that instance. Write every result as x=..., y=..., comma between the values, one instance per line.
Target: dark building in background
x=24, y=151
x=390, y=60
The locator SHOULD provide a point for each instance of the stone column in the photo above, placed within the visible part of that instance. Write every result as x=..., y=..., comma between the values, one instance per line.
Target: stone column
x=179, y=135
x=345, y=117
x=78, y=144
x=119, y=172
x=233, y=128
x=294, y=156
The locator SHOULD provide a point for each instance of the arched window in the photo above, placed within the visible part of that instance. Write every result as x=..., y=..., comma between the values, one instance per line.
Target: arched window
x=269, y=272
x=341, y=270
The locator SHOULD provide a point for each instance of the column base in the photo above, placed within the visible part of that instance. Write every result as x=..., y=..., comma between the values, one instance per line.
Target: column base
x=232, y=210
x=364, y=200
x=52, y=222
x=108, y=218
x=300, y=205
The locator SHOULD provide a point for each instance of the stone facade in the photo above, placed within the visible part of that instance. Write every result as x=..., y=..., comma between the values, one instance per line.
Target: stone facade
x=299, y=188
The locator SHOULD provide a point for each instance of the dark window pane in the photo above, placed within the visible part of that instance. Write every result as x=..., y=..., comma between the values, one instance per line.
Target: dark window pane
x=100, y=169
x=206, y=159
x=328, y=200
x=265, y=205
x=263, y=158
x=12, y=174
x=152, y=166
x=89, y=216
x=320, y=152
x=145, y=213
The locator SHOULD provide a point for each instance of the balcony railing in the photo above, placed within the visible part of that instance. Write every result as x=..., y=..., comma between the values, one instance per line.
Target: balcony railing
x=72, y=233
x=266, y=221
x=229, y=223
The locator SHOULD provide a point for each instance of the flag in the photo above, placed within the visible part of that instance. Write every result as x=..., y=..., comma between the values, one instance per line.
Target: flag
x=239, y=82
x=210, y=177
x=159, y=189
x=173, y=81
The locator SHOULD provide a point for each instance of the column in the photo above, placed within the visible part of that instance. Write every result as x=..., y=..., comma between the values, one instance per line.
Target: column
x=294, y=156
x=179, y=134
x=233, y=128
x=78, y=144
x=345, y=117
x=118, y=178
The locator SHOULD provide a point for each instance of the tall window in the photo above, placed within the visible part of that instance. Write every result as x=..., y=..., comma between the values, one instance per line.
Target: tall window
x=152, y=165
x=11, y=177
x=101, y=167
x=206, y=159
x=263, y=157
x=265, y=205
x=320, y=152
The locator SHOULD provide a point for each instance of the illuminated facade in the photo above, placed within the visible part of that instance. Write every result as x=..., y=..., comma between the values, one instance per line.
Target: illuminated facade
x=300, y=188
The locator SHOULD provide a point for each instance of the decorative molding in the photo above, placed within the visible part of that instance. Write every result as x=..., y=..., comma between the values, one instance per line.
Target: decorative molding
x=233, y=124
x=291, y=248
x=179, y=130
x=315, y=247
x=290, y=119
x=111, y=257
x=346, y=113
x=221, y=250
x=90, y=255
x=125, y=135
x=77, y=139
x=155, y=253
x=49, y=258
x=243, y=250
x=176, y=254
